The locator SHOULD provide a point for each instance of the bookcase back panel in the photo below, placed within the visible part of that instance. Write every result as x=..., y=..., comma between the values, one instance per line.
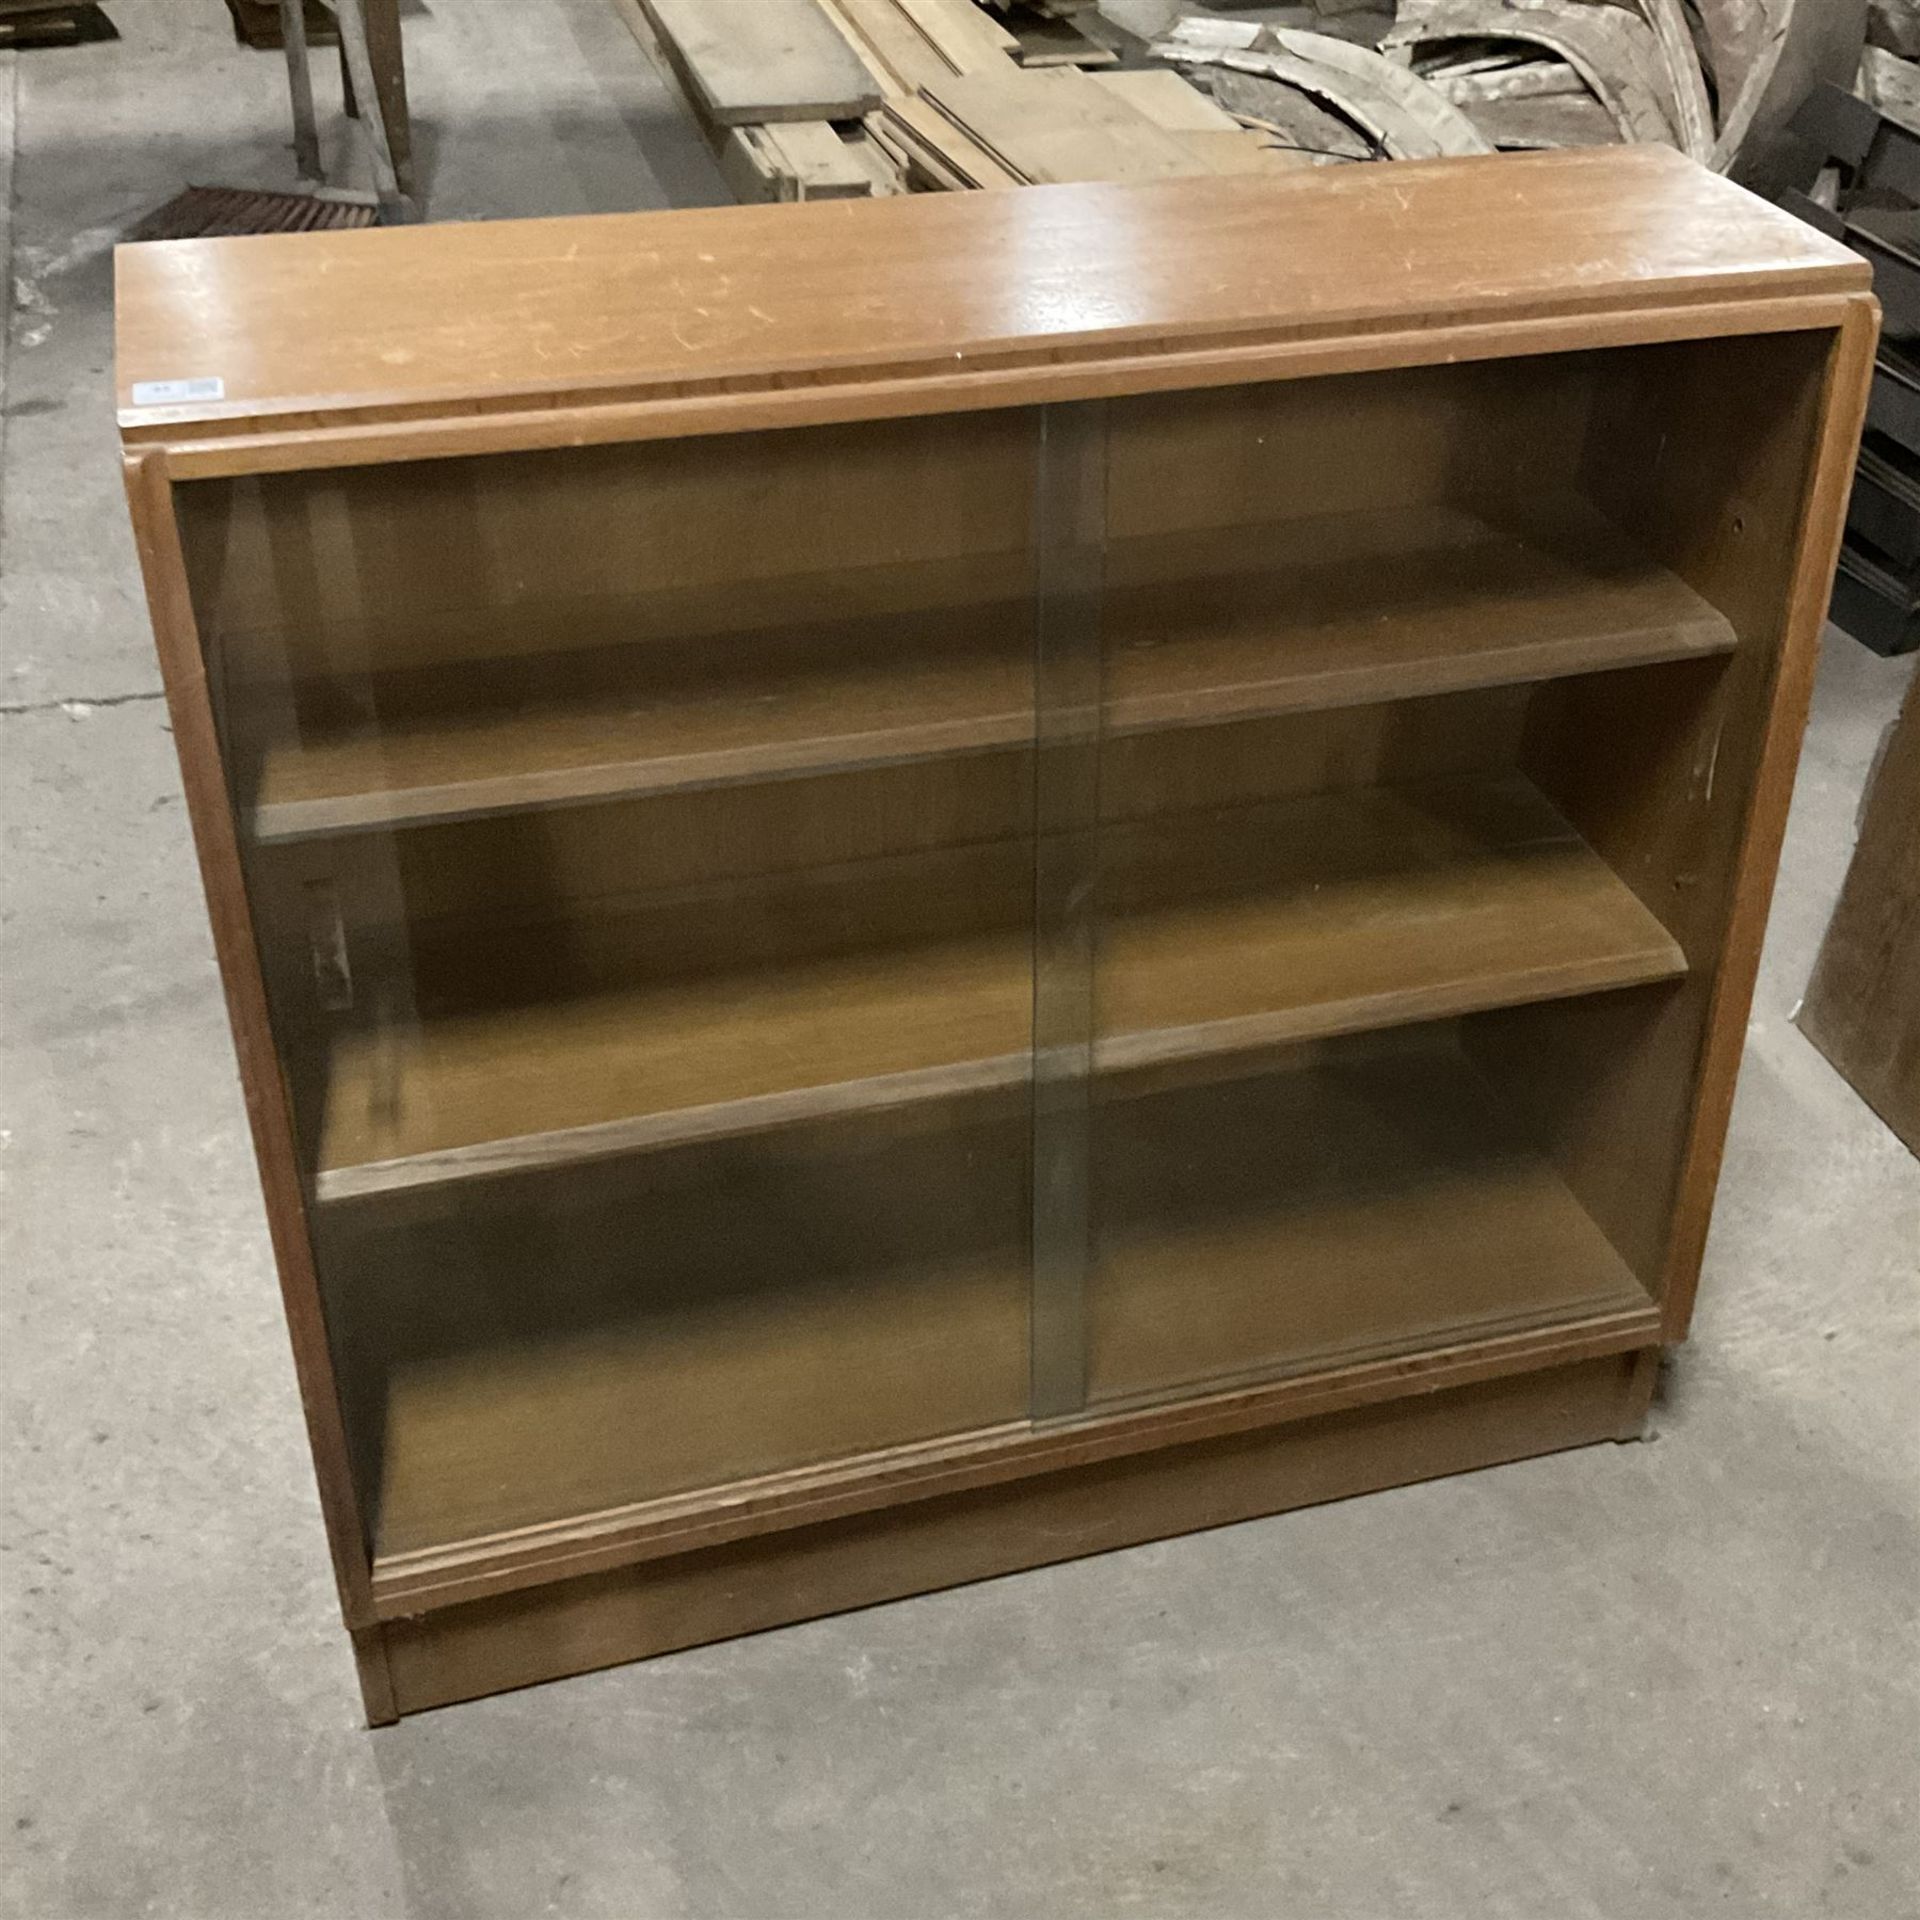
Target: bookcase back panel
x=1229, y=457
x=442, y=562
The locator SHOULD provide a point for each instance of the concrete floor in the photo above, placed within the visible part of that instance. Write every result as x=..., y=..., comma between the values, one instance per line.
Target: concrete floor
x=1639, y=1682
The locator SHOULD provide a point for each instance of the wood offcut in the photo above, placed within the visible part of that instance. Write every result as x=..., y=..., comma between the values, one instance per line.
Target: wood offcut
x=1862, y=1008
x=765, y=60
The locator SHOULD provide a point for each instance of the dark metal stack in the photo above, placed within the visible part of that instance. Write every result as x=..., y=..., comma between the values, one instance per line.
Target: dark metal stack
x=206, y=213
x=1870, y=197
x=52, y=23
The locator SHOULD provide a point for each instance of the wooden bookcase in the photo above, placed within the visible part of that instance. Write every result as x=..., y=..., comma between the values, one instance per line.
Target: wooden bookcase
x=918, y=886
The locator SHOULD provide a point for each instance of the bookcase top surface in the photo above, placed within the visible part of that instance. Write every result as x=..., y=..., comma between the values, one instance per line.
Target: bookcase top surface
x=323, y=332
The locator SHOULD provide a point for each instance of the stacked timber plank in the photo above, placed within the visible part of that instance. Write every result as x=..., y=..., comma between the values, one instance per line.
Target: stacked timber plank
x=1052, y=33
x=967, y=105
x=779, y=92
x=1008, y=92
x=914, y=94
x=1058, y=125
x=810, y=99
x=774, y=61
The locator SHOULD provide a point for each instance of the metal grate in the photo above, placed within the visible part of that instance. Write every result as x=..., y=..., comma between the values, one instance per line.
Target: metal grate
x=203, y=213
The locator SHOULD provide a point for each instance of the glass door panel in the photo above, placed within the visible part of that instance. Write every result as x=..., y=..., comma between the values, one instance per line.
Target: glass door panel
x=1327, y=866
x=787, y=946
x=640, y=840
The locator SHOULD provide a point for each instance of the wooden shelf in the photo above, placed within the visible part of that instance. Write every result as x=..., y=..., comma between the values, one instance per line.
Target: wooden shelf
x=608, y=699
x=1370, y=1201
x=683, y=1319
x=1354, y=1206
x=1350, y=608
x=1221, y=933
x=1232, y=623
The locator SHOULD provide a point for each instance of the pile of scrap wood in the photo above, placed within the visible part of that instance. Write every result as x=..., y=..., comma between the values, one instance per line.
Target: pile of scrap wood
x=1470, y=76
x=1867, y=193
x=1063, y=124
x=780, y=93
x=1865, y=138
x=807, y=99
x=1889, y=77
x=813, y=99
x=52, y=23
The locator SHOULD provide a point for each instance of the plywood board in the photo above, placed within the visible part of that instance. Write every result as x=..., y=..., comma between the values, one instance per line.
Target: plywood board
x=1168, y=101
x=1060, y=125
x=949, y=155
x=1863, y=1006
x=760, y=60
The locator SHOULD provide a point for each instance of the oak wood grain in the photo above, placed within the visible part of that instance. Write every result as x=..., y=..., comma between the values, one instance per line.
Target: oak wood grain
x=326, y=334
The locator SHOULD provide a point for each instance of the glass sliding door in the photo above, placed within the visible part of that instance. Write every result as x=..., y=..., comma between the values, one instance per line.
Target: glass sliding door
x=1323, y=868
x=641, y=840
x=790, y=946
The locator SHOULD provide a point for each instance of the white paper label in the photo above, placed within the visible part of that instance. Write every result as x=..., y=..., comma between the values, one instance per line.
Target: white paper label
x=174, y=393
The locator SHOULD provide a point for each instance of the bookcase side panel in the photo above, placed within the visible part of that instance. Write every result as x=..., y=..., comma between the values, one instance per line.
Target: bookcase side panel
x=166, y=572
x=1721, y=457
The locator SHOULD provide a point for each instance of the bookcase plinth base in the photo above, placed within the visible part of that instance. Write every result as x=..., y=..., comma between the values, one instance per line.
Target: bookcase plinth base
x=660, y=1606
